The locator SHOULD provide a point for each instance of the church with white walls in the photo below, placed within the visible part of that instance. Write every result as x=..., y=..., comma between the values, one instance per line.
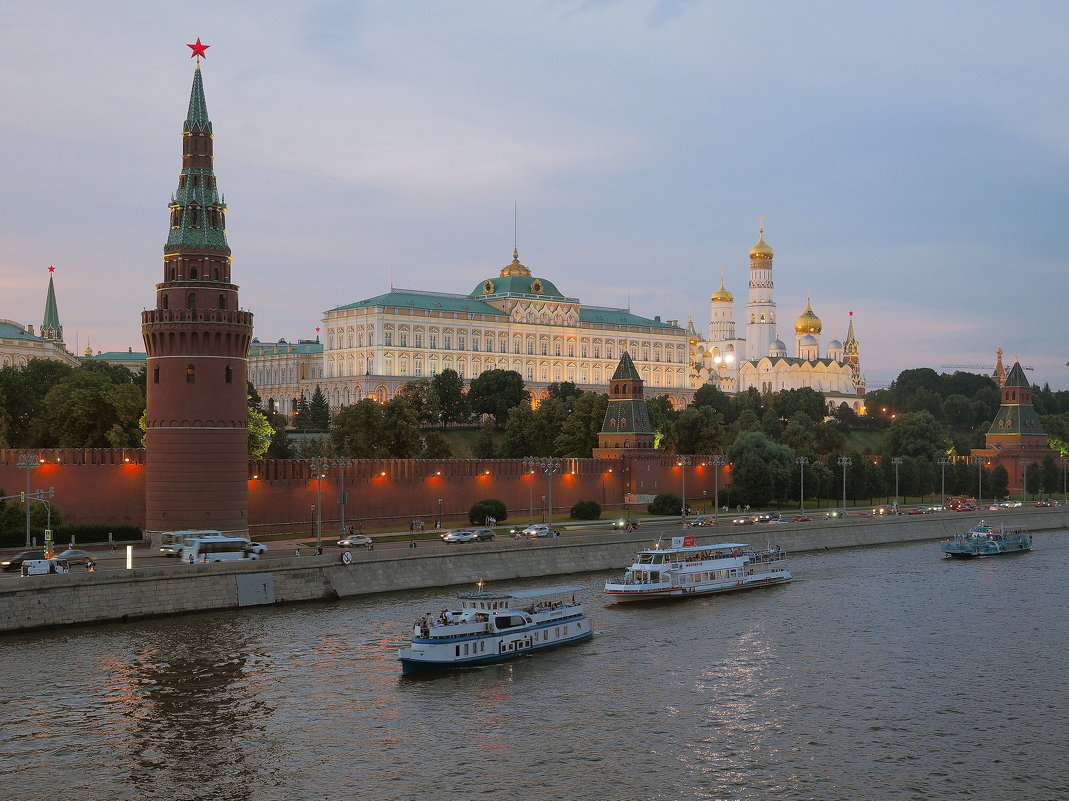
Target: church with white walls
x=760, y=359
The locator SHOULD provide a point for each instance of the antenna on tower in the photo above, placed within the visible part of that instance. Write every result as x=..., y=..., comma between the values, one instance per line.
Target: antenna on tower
x=516, y=225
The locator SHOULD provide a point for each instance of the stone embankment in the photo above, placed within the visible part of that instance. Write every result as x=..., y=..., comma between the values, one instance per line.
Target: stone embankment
x=61, y=600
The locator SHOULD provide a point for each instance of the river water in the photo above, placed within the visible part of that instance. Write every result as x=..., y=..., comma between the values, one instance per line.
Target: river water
x=881, y=673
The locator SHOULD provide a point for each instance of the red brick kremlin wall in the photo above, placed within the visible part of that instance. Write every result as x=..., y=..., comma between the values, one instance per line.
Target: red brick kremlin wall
x=108, y=486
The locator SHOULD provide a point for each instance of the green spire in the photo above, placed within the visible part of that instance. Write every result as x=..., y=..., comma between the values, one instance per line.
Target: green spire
x=197, y=116
x=50, y=327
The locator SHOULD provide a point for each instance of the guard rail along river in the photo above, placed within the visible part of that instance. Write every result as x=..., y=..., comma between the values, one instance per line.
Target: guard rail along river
x=75, y=598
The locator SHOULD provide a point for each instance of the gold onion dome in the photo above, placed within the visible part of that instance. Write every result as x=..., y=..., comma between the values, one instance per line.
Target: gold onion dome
x=762, y=250
x=722, y=295
x=808, y=322
x=515, y=268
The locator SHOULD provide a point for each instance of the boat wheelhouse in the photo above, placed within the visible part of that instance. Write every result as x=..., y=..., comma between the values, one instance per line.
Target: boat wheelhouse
x=985, y=540
x=685, y=569
x=487, y=628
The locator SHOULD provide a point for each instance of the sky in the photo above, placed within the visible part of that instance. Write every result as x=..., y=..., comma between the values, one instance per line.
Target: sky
x=909, y=160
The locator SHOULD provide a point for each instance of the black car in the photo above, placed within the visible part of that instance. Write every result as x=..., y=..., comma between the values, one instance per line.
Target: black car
x=15, y=562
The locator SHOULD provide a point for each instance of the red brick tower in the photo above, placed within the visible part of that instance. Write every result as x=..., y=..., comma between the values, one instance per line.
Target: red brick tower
x=197, y=340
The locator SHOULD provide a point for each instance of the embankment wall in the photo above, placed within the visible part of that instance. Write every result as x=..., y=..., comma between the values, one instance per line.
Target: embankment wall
x=78, y=598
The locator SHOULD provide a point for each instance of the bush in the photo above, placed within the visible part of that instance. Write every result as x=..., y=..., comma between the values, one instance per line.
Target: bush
x=586, y=510
x=666, y=504
x=489, y=507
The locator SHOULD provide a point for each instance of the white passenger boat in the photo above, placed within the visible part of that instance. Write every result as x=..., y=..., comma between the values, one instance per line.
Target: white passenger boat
x=685, y=569
x=487, y=628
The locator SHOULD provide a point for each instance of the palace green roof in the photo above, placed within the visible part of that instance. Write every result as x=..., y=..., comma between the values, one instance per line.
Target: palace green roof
x=597, y=314
x=526, y=285
x=12, y=331
x=435, y=301
x=270, y=348
x=118, y=356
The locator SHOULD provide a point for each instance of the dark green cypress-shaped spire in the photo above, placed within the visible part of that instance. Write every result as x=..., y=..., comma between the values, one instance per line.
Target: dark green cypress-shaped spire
x=50, y=326
x=197, y=116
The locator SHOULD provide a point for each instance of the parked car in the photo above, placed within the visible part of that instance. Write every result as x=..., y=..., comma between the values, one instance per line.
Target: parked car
x=15, y=562
x=459, y=535
x=483, y=534
x=355, y=541
x=75, y=556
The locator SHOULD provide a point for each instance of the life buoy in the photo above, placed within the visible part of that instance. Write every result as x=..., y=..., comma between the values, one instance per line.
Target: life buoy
x=346, y=557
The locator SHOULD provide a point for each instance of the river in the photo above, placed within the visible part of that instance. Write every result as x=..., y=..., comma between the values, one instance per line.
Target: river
x=881, y=673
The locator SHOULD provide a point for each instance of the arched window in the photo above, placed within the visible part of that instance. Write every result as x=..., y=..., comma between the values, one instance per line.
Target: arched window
x=165, y=304
x=191, y=301
x=222, y=301
x=156, y=374
x=217, y=275
x=191, y=374
x=229, y=374
x=172, y=273
x=192, y=272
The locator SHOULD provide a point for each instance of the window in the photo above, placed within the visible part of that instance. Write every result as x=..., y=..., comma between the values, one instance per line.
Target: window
x=434, y=340
x=530, y=348
x=556, y=349
x=462, y=343
x=156, y=374
x=582, y=351
x=165, y=303
x=404, y=339
x=545, y=349
x=571, y=349
x=388, y=338
x=419, y=339
x=190, y=374
x=222, y=302
x=448, y=342
x=229, y=374
x=191, y=301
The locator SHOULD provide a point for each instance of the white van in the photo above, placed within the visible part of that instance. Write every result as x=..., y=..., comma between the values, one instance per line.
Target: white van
x=172, y=541
x=40, y=567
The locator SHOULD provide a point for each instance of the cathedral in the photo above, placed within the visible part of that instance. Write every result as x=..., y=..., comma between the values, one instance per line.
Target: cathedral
x=759, y=359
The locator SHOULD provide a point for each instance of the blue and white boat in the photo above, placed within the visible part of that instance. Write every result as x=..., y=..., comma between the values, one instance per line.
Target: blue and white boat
x=686, y=570
x=985, y=540
x=487, y=628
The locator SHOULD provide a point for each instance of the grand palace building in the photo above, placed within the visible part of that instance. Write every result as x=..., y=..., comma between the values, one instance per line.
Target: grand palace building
x=510, y=321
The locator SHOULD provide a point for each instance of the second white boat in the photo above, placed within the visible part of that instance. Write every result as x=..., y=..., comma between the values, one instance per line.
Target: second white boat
x=685, y=570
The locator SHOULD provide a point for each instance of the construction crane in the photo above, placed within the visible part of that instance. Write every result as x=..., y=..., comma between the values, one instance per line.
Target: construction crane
x=975, y=367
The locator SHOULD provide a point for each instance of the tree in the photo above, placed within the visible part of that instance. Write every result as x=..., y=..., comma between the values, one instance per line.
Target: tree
x=260, y=434
x=666, y=503
x=563, y=390
x=496, y=392
x=359, y=431
x=1050, y=476
x=448, y=389
x=915, y=434
x=1031, y=478
x=661, y=415
x=488, y=507
x=301, y=419
x=586, y=510
x=808, y=401
x=435, y=446
x=88, y=409
x=762, y=469
x=485, y=446
x=401, y=434
x=318, y=412
x=998, y=483
x=699, y=429
x=708, y=395
x=579, y=434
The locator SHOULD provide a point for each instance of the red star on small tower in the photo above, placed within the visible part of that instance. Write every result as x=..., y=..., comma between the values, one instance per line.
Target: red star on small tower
x=51, y=269
x=198, y=50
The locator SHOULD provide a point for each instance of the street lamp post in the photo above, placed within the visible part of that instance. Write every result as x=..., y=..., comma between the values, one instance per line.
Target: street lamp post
x=844, y=462
x=440, y=513
x=802, y=462
x=29, y=462
x=1065, y=495
x=896, y=462
x=979, y=480
x=319, y=466
x=717, y=461
x=548, y=465
x=1024, y=480
x=943, y=462
x=682, y=462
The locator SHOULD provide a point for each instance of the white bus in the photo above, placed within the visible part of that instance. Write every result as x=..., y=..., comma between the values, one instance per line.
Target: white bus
x=173, y=541
x=216, y=548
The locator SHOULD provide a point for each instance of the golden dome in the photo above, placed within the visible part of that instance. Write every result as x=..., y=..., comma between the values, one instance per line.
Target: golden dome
x=762, y=250
x=808, y=322
x=515, y=268
x=722, y=295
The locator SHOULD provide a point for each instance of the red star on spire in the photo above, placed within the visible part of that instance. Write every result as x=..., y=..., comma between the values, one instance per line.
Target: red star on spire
x=317, y=329
x=851, y=314
x=51, y=269
x=198, y=49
